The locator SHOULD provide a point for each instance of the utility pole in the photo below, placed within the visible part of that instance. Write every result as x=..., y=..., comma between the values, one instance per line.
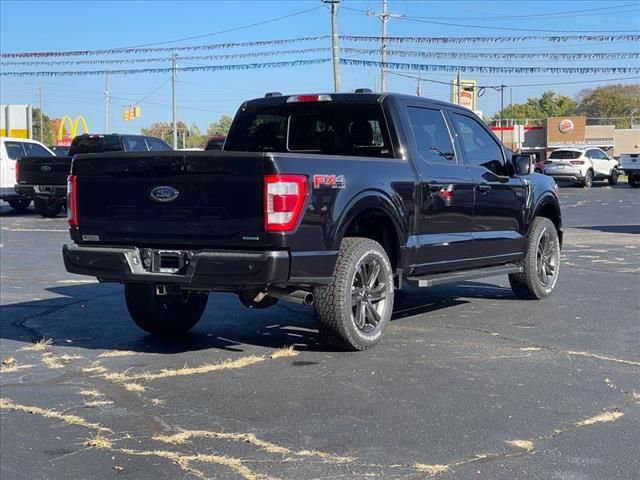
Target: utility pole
x=174, y=59
x=458, y=91
x=501, y=109
x=384, y=17
x=335, y=52
x=107, y=106
x=41, y=114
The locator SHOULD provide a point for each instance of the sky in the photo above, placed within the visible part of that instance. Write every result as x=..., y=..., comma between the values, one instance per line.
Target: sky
x=202, y=97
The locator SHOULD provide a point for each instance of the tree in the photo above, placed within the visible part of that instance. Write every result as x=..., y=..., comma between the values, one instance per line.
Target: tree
x=221, y=127
x=617, y=104
x=550, y=104
x=48, y=135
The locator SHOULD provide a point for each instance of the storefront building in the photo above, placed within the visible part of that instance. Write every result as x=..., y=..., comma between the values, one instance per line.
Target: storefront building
x=560, y=132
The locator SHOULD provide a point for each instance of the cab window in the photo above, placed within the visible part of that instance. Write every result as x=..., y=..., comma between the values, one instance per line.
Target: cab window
x=35, y=150
x=157, y=145
x=431, y=135
x=135, y=144
x=480, y=149
x=14, y=150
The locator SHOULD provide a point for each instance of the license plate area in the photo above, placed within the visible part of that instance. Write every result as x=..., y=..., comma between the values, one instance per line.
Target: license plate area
x=169, y=261
x=45, y=189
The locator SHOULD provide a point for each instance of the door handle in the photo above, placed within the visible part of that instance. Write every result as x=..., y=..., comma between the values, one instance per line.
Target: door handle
x=436, y=187
x=483, y=188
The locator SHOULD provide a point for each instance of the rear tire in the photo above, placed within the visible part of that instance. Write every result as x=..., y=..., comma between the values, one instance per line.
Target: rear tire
x=163, y=315
x=541, y=264
x=355, y=309
x=20, y=205
x=587, y=181
x=48, y=208
x=634, y=180
x=613, y=178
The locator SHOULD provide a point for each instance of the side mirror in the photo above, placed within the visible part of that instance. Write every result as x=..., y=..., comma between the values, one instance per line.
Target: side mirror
x=523, y=163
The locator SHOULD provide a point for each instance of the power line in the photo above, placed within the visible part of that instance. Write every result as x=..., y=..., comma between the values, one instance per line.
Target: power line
x=501, y=27
x=518, y=84
x=571, y=13
x=229, y=30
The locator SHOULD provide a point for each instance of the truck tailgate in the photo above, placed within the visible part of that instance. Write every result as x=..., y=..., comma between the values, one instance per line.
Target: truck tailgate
x=171, y=199
x=44, y=170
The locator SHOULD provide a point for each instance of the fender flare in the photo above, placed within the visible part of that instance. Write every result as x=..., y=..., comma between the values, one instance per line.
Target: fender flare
x=370, y=199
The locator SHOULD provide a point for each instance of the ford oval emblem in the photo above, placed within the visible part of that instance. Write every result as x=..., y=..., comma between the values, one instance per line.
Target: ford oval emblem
x=164, y=193
x=45, y=168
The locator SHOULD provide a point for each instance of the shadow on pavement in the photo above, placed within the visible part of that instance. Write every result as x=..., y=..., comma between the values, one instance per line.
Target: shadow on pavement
x=94, y=316
x=634, y=229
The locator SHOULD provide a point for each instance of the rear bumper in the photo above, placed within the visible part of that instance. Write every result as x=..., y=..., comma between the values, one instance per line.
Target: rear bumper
x=206, y=269
x=567, y=174
x=49, y=191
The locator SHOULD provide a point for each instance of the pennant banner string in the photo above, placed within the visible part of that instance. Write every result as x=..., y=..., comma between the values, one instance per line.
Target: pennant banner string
x=489, y=69
x=349, y=38
x=347, y=51
x=203, y=68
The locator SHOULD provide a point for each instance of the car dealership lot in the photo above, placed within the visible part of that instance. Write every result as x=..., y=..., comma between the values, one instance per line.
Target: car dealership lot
x=468, y=382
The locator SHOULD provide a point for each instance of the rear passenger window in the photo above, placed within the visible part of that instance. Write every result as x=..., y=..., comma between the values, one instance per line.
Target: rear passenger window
x=14, y=150
x=431, y=135
x=35, y=150
x=157, y=145
x=135, y=144
x=479, y=147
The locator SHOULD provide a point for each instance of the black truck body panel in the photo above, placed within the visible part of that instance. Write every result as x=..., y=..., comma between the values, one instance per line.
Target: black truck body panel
x=443, y=215
x=47, y=176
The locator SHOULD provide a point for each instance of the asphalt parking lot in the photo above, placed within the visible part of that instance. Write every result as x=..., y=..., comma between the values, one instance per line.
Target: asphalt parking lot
x=469, y=382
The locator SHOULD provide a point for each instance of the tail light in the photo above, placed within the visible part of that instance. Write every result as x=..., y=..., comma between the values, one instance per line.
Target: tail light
x=17, y=172
x=577, y=162
x=284, y=197
x=72, y=203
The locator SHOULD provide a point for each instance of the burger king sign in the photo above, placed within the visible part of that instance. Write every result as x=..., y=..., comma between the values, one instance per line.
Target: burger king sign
x=565, y=126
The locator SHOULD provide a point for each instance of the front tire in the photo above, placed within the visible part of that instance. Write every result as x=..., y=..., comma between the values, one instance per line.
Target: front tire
x=48, y=208
x=541, y=264
x=587, y=181
x=634, y=180
x=355, y=309
x=163, y=315
x=20, y=205
x=613, y=178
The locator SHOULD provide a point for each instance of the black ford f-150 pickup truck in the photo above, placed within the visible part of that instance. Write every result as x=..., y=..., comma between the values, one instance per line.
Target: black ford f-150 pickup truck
x=45, y=178
x=334, y=200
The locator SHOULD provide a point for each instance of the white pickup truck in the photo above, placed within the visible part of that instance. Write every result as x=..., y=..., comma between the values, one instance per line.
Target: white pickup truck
x=630, y=165
x=11, y=149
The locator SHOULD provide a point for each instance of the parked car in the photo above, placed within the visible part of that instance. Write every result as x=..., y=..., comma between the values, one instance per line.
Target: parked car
x=630, y=166
x=582, y=165
x=324, y=199
x=60, y=150
x=12, y=149
x=215, y=143
x=45, y=178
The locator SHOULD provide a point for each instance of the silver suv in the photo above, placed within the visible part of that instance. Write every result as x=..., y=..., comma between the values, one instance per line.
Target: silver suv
x=582, y=165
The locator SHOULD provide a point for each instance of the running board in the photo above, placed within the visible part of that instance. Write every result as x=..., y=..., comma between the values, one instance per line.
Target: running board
x=462, y=275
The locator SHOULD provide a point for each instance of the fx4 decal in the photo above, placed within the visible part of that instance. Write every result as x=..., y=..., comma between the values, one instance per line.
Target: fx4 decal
x=328, y=181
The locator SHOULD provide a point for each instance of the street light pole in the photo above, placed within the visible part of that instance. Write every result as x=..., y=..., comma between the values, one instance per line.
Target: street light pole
x=384, y=17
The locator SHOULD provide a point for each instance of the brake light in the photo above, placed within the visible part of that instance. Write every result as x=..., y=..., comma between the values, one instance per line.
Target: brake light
x=308, y=98
x=284, y=197
x=577, y=162
x=72, y=204
x=17, y=172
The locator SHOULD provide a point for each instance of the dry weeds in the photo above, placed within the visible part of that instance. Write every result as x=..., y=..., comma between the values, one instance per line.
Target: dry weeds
x=431, y=470
x=523, y=444
x=14, y=367
x=40, y=346
x=98, y=441
x=96, y=367
x=284, y=352
x=116, y=353
x=98, y=403
x=7, y=404
x=603, y=357
x=602, y=418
